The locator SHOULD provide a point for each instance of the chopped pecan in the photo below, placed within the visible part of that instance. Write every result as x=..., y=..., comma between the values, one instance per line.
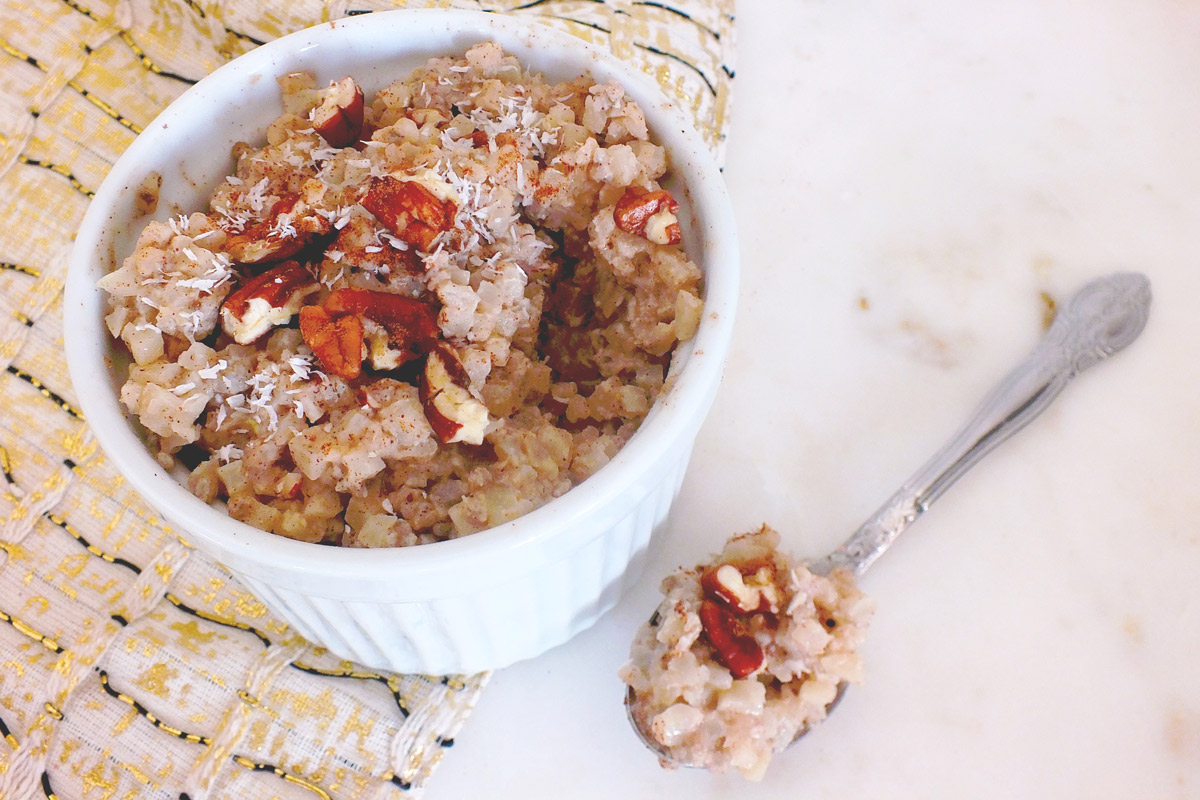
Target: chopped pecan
x=266, y=300
x=287, y=230
x=649, y=214
x=409, y=209
x=362, y=253
x=410, y=325
x=339, y=116
x=746, y=590
x=453, y=413
x=337, y=342
x=733, y=643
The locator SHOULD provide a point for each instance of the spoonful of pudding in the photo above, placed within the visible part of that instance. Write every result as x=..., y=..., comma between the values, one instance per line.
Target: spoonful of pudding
x=745, y=654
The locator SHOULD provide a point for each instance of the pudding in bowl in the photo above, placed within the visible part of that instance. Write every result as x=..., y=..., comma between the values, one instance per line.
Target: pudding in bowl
x=408, y=318
x=455, y=603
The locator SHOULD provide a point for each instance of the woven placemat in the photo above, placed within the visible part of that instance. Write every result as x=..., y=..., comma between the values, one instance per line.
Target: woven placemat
x=130, y=665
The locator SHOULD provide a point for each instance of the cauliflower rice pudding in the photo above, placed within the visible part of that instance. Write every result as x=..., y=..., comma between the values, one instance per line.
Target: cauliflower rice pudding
x=415, y=316
x=743, y=654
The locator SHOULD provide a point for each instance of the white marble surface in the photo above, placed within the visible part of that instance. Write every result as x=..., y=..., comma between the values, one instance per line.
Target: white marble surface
x=1038, y=631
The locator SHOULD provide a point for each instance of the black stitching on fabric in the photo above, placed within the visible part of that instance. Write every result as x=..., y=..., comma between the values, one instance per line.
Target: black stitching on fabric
x=403, y=784
x=41, y=387
x=192, y=4
x=6, y=734
x=175, y=601
x=445, y=742
x=244, y=36
x=117, y=618
x=6, y=466
x=678, y=12
x=96, y=551
x=146, y=62
x=651, y=49
x=21, y=268
x=87, y=95
x=366, y=676
x=141, y=54
x=15, y=53
x=539, y=2
x=58, y=169
x=148, y=715
x=592, y=25
x=128, y=40
x=112, y=112
x=27, y=630
x=47, y=789
x=681, y=60
x=258, y=766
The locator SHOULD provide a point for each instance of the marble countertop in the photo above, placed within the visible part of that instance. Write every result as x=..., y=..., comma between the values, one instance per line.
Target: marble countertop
x=911, y=178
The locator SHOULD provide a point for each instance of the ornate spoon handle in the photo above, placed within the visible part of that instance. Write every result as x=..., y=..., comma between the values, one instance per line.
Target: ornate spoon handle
x=1102, y=318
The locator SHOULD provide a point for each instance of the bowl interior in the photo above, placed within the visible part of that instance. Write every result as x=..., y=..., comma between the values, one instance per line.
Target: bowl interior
x=189, y=146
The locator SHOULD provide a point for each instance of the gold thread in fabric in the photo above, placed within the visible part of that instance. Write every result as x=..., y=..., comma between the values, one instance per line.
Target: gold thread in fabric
x=21, y=268
x=287, y=776
x=146, y=714
x=129, y=42
x=226, y=621
x=91, y=548
x=54, y=397
x=29, y=631
x=235, y=719
x=57, y=169
x=390, y=681
x=87, y=95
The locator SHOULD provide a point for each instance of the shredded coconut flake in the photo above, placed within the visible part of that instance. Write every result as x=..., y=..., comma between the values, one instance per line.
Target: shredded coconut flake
x=256, y=198
x=302, y=367
x=178, y=225
x=228, y=452
x=210, y=372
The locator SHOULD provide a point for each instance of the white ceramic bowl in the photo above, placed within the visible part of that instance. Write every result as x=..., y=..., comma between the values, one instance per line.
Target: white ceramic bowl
x=460, y=606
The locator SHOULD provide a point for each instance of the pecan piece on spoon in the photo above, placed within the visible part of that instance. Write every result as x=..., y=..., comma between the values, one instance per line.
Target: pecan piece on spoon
x=733, y=645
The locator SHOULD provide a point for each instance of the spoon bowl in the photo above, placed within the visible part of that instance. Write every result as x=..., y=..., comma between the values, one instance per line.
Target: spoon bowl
x=1102, y=318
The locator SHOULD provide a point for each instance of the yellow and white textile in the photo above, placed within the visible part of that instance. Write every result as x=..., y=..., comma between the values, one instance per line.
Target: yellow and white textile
x=130, y=665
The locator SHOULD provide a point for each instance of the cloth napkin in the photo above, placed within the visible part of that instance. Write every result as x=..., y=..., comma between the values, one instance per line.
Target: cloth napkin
x=132, y=666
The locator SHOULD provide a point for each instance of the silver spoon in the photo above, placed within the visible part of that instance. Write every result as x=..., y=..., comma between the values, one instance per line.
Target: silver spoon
x=1100, y=319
